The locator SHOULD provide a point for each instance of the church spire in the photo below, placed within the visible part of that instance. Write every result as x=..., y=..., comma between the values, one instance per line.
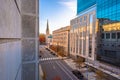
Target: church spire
x=47, y=29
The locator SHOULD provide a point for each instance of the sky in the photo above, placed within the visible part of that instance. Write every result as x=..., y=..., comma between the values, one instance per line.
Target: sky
x=58, y=12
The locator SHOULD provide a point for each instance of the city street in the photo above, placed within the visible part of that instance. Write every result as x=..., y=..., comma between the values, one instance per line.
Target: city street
x=55, y=67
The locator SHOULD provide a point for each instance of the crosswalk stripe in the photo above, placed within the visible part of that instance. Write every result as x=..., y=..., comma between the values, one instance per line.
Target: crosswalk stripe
x=45, y=59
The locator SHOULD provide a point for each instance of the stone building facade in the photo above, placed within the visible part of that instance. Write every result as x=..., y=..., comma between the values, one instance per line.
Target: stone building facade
x=19, y=39
x=61, y=38
x=83, y=34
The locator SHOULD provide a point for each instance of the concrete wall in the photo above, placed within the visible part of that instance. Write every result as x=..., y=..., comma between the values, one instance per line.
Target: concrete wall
x=10, y=44
x=19, y=39
x=10, y=60
x=10, y=25
x=29, y=11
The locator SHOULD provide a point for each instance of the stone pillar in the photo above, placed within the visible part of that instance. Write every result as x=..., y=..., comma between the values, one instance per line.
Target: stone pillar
x=29, y=13
x=19, y=39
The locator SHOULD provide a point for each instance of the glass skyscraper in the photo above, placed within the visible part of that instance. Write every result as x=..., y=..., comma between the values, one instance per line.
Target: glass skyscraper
x=84, y=4
x=108, y=15
x=109, y=9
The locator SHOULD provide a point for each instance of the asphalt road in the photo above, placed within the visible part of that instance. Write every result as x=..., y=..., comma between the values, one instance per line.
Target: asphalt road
x=55, y=67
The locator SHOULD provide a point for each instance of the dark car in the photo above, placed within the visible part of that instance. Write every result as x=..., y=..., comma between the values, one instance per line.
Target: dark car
x=40, y=56
x=46, y=48
x=53, y=53
x=78, y=74
x=40, y=51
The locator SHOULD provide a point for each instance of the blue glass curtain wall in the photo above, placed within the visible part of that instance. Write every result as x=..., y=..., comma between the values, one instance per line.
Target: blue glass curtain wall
x=84, y=4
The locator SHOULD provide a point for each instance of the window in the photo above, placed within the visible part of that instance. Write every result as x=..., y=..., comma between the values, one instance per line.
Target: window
x=80, y=19
x=91, y=23
x=85, y=18
x=118, y=45
x=113, y=35
x=71, y=49
x=110, y=54
x=107, y=35
x=90, y=51
x=118, y=35
x=103, y=35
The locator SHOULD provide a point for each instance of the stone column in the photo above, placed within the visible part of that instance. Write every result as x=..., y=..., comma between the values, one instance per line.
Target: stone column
x=30, y=32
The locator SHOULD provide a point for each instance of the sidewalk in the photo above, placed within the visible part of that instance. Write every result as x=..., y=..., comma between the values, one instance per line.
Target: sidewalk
x=40, y=73
x=87, y=74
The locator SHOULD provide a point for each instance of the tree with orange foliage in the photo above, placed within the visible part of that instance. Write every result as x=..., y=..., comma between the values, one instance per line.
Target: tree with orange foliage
x=53, y=47
x=42, y=38
x=58, y=49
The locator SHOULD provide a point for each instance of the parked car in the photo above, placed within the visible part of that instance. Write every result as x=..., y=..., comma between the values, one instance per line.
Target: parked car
x=78, y=74
x=40, y=51
x=53, y=53
x=40, y=56
x=47, y=49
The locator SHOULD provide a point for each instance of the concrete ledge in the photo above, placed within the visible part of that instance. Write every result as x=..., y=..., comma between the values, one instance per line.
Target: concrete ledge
x=105, y=71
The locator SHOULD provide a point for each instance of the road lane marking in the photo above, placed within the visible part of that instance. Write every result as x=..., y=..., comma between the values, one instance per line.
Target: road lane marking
x=54, y=67
x=64, y=70
x=46, y=59
x=68, y=70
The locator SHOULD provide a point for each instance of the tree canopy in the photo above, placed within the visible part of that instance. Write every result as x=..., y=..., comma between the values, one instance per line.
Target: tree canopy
x=42, y=38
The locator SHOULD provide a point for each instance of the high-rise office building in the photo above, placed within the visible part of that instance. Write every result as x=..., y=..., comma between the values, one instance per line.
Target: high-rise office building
x=108, y=14
x=95, y=34
x=83, y=31
x=87, y=4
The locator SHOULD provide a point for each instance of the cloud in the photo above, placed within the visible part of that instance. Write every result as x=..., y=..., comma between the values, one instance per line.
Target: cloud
x=71, y=4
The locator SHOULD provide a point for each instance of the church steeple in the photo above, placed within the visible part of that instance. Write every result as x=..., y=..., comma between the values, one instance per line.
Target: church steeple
x=47, y=29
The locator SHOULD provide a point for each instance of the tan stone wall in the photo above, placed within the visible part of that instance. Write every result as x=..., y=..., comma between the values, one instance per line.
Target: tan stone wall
x=60, y=37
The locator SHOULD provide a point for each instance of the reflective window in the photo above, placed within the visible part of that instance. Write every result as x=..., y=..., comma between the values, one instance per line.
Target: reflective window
x=80, y=19
x=85, y=18
x=108, y=14
x=107, y=35
x=108, y=9
x=118, y=35
x=113, y=35
x=103, y=35
x=110, y=54
x=87, y=4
